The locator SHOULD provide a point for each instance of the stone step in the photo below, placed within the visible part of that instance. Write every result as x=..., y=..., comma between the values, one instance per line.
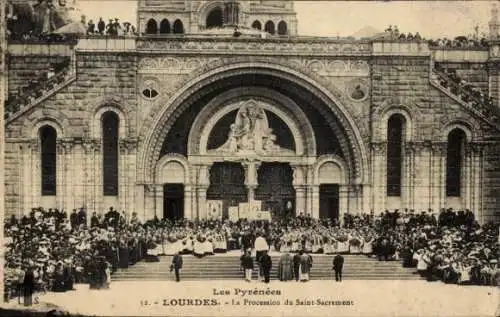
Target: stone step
x=227, y=267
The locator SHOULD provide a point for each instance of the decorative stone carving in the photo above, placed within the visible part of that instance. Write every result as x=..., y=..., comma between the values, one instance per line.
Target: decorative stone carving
x=357, y=90
x=250, y=134
x=150, y=88
x=379, y=148
x=65, y=146
x=92, y=146
x=128, y=144
x=439, y=148
x=256, y=46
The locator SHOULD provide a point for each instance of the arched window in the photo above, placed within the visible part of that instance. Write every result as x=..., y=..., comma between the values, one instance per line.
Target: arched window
x=282, y=28
x=395, y=130
x=215, y=18
x=178, y=27
x=454, y=162
x=110, y=127
x=164, y=26
x=151, y=27
x=257, y=25
x=269, y=27
x=48, y=137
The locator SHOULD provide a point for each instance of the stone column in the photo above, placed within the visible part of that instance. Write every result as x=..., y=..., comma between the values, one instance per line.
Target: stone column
x=35, y=169
x=466, y=178
x=150, y=202
x=122, y=176
x=27, y=175
x=139, y=192
x=158, y=194
x=439, y=177
x=309, y=189
x=202, y=201
x=97, y=175
x=188, y=206
x=201, y=190
x=300, y=186
x=191, y=194
x=343, y=201
x=476, y=176
x=127, y=169
x=477, y=195
x=91, y=149
x=408, y=176
x=379, y=172
x=64, y=167
x=315, y=201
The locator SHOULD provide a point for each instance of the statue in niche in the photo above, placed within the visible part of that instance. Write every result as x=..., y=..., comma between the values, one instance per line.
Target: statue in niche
x=250, y=133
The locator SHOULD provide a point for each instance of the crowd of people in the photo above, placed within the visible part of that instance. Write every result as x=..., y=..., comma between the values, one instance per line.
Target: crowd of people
x=112, y=28
x=467, y=92
x=460, y=42
x=53, y=250
x=35, y=88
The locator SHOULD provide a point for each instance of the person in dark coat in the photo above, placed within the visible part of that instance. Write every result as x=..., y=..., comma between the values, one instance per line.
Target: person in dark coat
x=266, y=263
x=29, y=285
x=59, y=278
x=338, y=264
x=101, y=25
x=68, y=276
x=296, y=266
x=73, y=219
x=176, y=265
x=247, y=265
x=94, y=221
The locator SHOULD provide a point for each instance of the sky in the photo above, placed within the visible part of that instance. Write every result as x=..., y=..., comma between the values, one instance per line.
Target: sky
x=431, y=19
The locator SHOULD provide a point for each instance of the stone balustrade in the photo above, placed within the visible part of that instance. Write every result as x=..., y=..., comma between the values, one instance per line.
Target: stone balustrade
x=464, y=95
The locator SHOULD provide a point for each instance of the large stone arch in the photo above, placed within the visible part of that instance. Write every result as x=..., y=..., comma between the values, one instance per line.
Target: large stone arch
x=166, y=116
x=281, y=105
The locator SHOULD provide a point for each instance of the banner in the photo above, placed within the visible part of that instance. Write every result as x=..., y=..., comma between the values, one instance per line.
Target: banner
x=214, y=209
x=233, y=214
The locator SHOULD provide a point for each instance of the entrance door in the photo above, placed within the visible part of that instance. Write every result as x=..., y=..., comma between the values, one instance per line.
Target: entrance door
x=173, y=201
x=275, y=188
x=329, y=201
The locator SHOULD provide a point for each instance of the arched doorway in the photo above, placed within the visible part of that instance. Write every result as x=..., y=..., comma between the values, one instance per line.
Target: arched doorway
x=183, y=118
x=171, y=175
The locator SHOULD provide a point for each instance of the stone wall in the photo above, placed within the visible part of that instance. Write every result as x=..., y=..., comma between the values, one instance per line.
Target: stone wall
x=401, y=85
x=491, y=182
x=113, y=81
x=104, y=82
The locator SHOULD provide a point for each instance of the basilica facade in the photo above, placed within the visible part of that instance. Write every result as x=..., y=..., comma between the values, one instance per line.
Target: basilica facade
x=218, y=105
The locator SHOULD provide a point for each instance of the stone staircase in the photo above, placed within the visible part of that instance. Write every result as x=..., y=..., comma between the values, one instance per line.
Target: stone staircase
x=227, y=267
x=27, y=100
x=474, y=103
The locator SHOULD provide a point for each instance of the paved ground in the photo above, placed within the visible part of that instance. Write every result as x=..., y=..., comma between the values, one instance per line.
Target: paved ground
x=328, y=298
